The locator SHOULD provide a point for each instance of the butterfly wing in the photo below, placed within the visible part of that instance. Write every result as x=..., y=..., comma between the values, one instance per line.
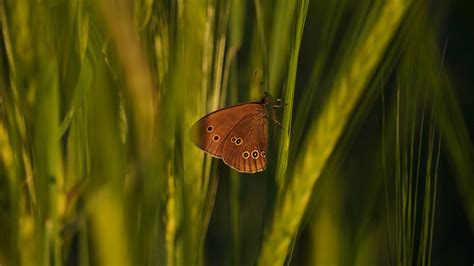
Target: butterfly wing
x=245, y=147
x=209, y=132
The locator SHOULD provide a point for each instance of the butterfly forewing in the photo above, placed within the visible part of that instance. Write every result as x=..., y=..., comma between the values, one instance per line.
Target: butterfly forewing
x=245, y=147
x=211, y=131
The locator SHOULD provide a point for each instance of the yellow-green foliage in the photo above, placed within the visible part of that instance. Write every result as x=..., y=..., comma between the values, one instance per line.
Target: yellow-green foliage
x=97, y=97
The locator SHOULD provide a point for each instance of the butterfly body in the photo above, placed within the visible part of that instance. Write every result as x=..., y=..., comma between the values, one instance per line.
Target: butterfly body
x=236, y=134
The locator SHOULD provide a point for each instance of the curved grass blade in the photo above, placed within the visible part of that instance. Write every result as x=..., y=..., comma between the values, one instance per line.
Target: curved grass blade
x=325, y=132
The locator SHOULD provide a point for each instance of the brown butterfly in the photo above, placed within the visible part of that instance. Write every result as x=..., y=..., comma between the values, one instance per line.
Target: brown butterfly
x=236, y=134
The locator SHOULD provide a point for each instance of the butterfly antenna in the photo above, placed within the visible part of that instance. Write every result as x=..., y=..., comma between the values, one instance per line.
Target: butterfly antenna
x=259, y=84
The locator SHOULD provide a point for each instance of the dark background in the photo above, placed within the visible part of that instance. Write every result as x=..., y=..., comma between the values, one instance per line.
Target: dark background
x=456, y=245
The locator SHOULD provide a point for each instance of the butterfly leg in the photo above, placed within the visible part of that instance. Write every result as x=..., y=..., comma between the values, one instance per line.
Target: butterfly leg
x=278, y=103
x=278, y=123
x=275, y=120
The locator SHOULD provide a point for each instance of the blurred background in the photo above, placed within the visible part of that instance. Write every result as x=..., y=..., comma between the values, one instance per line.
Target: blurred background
x=373, y=163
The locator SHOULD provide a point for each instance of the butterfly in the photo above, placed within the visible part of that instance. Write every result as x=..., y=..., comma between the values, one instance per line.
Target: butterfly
x=237, y=134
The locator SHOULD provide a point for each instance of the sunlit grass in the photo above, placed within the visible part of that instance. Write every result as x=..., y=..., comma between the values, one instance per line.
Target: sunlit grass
x=97, y=97
x=324, y=133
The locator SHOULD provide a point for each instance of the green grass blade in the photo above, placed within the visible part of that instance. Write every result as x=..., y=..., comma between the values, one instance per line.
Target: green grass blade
x=282, y=163
x=97, y=97
x=325, y=132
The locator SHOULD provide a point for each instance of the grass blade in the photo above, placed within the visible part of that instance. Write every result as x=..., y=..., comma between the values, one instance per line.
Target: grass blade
x=325, y=132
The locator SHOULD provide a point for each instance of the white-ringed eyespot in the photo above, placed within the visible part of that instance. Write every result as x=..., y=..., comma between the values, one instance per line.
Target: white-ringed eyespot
x=238, y=141
x=255, y=154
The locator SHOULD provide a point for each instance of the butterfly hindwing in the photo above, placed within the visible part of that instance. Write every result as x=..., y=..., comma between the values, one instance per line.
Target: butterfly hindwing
x=210, y=131
x=245, y=147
